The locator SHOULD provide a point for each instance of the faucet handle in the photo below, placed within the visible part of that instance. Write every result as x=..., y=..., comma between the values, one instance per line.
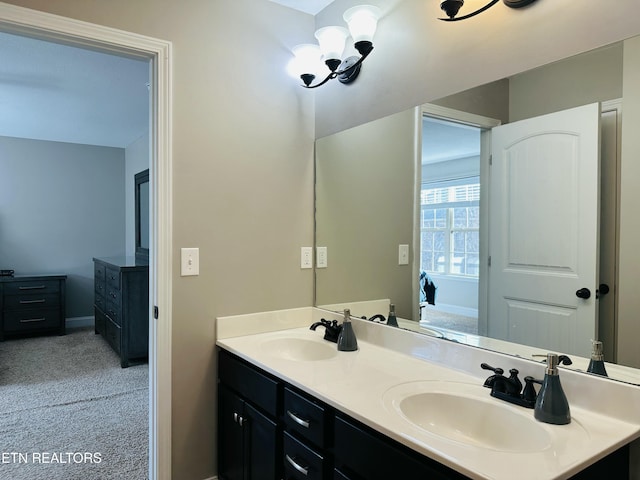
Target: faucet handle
x=497, y=371
x=529, y=393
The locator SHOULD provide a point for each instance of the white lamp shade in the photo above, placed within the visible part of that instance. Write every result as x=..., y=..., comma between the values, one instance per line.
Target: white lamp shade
x=306, y=60
x=362, y=21
x=332, y=41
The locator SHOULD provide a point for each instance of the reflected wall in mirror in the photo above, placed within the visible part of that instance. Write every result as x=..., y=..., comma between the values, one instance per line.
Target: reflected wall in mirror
x=368, y=200
x=141, y=185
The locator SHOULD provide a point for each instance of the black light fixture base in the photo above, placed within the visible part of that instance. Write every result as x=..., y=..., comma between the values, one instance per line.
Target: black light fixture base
x=350, y=69
x=452, y=7
x=517, y=3
x=307, y=78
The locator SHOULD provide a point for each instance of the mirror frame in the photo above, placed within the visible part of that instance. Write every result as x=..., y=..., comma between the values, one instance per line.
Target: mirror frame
x=141, y=253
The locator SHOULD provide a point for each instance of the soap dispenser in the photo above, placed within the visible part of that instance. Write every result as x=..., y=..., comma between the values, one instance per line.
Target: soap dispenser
x=347, y=339
x=596, y=365
x=552, y=405
x=391, y=319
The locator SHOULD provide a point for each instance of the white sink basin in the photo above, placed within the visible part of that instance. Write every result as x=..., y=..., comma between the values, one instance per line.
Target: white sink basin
x=300, y=349
x=465, y=413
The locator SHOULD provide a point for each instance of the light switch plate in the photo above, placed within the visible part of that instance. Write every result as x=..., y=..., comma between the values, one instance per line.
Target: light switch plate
x=321, y=257
x=190, y=262
x=403, y=254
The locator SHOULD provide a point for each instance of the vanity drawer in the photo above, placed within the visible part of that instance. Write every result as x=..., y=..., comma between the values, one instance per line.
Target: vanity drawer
x=31, y=301
x=31, y=319
x=260, y=388
x=300, y=462
x=32, y=286
x=305, y=417
x=371, y=455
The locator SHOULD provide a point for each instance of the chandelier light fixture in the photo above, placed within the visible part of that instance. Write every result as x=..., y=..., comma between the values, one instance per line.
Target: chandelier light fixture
x=451, y=8
x=308, y=60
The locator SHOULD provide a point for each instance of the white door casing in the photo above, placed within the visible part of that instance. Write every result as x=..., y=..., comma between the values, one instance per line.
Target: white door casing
x=14, y=19
x=543, y=235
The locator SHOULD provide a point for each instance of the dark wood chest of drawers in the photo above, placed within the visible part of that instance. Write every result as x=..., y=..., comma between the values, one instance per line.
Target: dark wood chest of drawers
x=121, y=306
x=32, y=304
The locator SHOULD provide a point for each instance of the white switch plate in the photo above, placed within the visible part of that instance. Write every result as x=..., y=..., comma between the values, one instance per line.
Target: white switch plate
x=306, y=257
x=321, y=257
x=190, y=261
x=403, y=254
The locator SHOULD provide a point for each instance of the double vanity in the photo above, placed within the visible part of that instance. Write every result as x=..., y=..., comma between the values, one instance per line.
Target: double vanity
x=403, y=405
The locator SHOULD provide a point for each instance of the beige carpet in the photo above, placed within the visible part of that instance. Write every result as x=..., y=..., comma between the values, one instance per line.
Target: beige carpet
x=69, y=412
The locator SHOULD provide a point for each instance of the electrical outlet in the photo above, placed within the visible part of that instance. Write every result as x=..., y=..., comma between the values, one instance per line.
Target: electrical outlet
x=306, y=257
x=321, y=257
x=403, y=254
x=190, y=261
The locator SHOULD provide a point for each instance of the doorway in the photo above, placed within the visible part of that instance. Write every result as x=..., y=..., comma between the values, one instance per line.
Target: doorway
x=44, y=26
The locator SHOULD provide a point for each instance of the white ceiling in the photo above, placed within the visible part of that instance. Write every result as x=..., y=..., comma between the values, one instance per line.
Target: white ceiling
x=50, y=91
x=308, y=6
x=443, y=141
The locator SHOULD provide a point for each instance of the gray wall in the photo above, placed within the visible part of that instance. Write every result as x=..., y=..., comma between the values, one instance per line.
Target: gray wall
x=61, y=204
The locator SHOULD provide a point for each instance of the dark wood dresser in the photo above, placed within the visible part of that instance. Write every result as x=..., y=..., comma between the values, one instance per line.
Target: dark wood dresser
x=121, y=306
x=32, y=304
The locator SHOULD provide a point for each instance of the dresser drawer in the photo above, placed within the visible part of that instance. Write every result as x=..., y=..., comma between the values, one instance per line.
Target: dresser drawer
x=100, y=287
x=32, y=286
x=112, y=334
x=100, y=302
x=99, y=272
x=113, y=279
x=100, y=320
x=113, y=296
x=31, y=301
x=113, y=311
x=31, y=319
x=305, y=417
x=301, y=462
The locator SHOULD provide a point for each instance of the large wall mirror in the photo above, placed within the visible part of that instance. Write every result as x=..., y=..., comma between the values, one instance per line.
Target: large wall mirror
x=141, y=182
x=422, y=177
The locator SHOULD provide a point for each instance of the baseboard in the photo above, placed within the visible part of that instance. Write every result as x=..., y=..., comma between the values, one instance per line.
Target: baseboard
x=79, y=322
x=211, y=478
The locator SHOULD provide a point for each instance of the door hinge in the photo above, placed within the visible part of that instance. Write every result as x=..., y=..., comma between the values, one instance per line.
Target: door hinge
x=490, y=160
x=489, y=262
x=155, y=312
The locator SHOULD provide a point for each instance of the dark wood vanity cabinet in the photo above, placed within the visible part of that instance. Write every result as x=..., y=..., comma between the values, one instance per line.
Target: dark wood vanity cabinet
x=268, y=429
x=121, y=306
x=249, y=442
x=32, y=305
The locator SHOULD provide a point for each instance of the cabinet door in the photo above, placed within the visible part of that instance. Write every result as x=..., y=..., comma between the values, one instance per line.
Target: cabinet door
x=230, y=444
x=261, y=445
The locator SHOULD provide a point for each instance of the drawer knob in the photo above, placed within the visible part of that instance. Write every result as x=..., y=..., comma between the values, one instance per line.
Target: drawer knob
x=298, y=420
x=302, y=469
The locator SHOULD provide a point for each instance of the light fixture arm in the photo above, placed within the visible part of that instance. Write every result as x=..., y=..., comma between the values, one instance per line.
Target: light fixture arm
x=451, y=7
x=348, y=73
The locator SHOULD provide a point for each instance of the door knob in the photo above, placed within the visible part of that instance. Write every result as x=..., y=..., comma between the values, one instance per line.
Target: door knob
x=603, y=289
x=583, y=293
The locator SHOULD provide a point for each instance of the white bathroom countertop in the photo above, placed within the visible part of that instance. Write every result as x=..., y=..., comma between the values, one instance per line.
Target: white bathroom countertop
x=361, y=383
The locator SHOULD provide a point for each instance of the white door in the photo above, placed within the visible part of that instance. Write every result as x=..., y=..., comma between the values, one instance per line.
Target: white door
x=543, y=231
